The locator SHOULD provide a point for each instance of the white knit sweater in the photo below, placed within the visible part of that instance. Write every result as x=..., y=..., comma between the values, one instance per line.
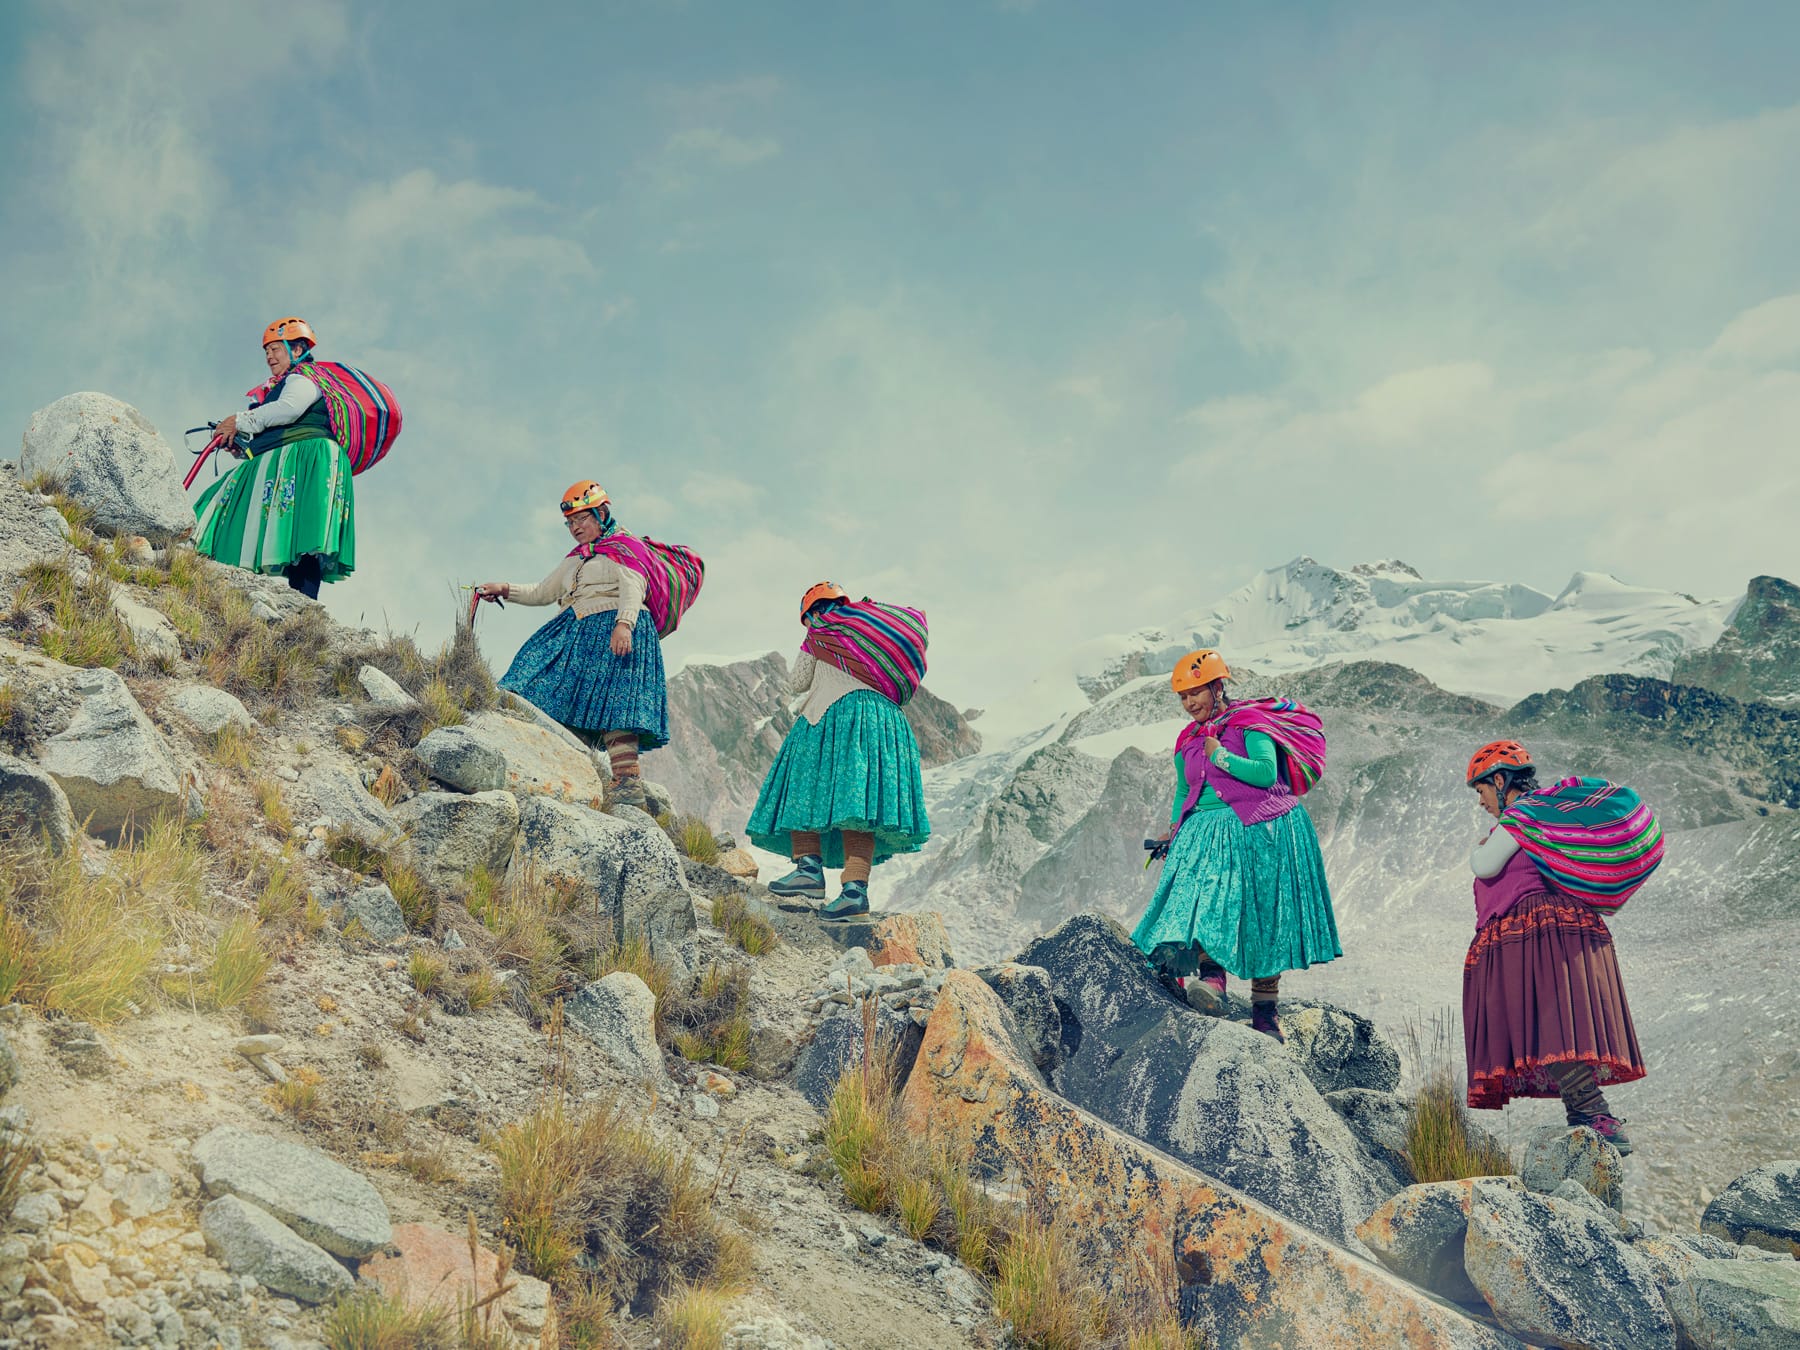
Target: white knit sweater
x=822, y=683
x=589, y=586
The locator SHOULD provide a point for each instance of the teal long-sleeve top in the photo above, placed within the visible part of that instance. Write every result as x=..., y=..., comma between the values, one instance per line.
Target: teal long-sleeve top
x=1256, y=766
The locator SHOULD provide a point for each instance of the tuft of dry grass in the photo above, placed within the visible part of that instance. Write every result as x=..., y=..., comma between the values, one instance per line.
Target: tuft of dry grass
x=388, y=786
x=428, y=1166
x=232, y=748
x=751, y=933
x=425, y=971
x=479, y=990
x=83, y=628
x=370, y=1320
x=15, y=721
x=693, y=838
x=239, y=965
x=299, y=1099
x=16, y=1153
x=1442, y=1142
x=595, y=1190
x=692, y=1317
x=711, y=1021
x=274, y=807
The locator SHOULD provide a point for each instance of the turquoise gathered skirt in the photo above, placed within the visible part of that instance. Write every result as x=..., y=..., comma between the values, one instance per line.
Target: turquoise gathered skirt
x=568, y=669
x=1252, y=896
x=858, y=769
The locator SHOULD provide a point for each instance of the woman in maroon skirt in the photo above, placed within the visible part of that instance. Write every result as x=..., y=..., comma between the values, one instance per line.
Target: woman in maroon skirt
x=1544, y=1010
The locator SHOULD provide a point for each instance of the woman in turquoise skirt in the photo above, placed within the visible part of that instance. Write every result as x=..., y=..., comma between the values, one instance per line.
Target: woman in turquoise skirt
x=597, y=667
x=1244, y=887
x=288, y=509
x=845, y=790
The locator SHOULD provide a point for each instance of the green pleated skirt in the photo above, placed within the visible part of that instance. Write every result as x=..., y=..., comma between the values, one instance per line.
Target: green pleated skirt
x=1252, y=897
x=858, y=769
x=277, y=508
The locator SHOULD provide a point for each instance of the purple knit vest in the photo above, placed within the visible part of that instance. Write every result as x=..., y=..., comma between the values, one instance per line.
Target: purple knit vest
x=1253, y=805
x=1495, y=896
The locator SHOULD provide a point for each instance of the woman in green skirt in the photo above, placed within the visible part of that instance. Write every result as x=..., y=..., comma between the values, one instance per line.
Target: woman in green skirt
x=288, y=509
x=845, y=790
x=1244, y=888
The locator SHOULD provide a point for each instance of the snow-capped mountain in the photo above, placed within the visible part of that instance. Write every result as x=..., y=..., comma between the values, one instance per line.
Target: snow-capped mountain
x=1497, y=641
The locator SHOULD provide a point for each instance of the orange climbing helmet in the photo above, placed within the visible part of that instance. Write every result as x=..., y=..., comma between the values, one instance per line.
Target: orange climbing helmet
x=587, y=495
x=290, y=329
x=825, y=590
x=1497, y=755
x=1198, y=668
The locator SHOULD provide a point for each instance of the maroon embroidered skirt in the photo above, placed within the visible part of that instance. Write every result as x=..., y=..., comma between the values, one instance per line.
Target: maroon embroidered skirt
x=1541, y=987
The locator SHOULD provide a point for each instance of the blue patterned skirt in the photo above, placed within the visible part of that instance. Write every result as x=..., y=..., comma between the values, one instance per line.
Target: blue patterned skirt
x=1253, y=897
x=858, y=769
x=568, y=669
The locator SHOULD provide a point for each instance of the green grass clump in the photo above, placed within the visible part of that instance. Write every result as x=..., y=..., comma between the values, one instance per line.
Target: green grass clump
x=83, y=627
x=370, y=1320
x=751, y=933
x=694, y=839
x=239, y=965
x=1442, y=1142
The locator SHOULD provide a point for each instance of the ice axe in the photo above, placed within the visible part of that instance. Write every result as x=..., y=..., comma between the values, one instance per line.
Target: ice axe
x=475, y=599
x=205, y=452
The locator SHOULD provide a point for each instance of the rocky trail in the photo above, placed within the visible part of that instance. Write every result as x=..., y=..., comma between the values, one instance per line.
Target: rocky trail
x=331, y=991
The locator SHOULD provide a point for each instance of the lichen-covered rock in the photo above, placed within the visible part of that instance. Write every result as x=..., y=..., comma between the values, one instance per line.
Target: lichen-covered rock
x=339, y=800
x=1213, y=1093
x=110, y=759
x=206, y=709
x=1026, y=992
x=1558, y=1274
x=450, y=834
x=1726, y=1305
x=897, y=939
x=626, y=862
x=618, y=1014
x=383, y=692
x=837, y=1044
x=1759, y=1209
x=1558, y=1153
x=1419, y=1235
x=375, y=910
x=107, y=456
x=1379, y=1120
x=1675, y=1256
x=539, y=758
x=461, y=761
x=254, y=1243
x=33, y=807
x=1241, y=1274
x=321, y=1200
x=1339, y=1049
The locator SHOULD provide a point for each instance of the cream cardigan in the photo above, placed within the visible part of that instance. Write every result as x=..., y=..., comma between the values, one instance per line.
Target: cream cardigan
x=589, y=586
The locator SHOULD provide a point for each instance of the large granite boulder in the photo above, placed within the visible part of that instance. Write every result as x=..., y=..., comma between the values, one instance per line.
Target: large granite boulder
x=254, y=1243
x=108, y=457
x=110, y=759
x=1419, y=1235
x=1555, y=1273
x=33, y=807
x=1338, y=1049
x=837, y=1044
x=1240, y=1273
x=1759, y=1209
x=625, y=862
x=450, y=834
x=618, y=1014
x=1727, y=1305
x=1213, y=1093
x=1379, y=1120
x=540, y=756
x=340, y=800
x=320, y=1199
x=1558, y=1153
x=461, y=761
x=206, y=709
x=1026, y=992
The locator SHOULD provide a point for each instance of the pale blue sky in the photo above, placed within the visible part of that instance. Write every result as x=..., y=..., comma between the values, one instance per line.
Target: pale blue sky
x=1056, y=319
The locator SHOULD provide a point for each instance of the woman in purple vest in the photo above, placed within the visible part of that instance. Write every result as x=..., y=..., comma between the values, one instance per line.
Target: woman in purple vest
x=1544, y=1011
x=1244, y=886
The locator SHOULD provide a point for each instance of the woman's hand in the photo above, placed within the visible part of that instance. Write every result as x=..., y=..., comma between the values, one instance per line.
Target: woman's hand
x=1210, y=747
x=493, y=590
x=227, y=430
x=621, y=639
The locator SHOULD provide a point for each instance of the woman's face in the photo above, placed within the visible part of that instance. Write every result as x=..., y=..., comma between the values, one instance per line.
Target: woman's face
x=1490, y=798
x=585, y=526
x=1198, y=703
x=276, y=354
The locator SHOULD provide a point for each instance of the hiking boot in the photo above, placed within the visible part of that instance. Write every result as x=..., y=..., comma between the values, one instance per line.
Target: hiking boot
x=805, y=882
x=1609, y=1128
x=627, y=791
x=1206, y=991
x=852, y=902
x=1263, y=1019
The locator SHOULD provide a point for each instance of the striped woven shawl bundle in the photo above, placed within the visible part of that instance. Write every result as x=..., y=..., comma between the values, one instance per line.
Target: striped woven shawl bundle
x=881, y=645
x=1295, y=729
x=1594, y=840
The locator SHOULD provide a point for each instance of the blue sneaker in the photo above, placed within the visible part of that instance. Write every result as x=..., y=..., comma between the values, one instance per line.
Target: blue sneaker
x=806, y=881
x=852, y=902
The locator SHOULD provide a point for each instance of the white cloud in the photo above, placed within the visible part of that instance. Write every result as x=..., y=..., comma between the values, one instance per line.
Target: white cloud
x=722, y=147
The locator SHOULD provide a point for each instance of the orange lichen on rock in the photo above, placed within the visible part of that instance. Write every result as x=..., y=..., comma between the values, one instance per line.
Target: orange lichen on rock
x=1244, y=1274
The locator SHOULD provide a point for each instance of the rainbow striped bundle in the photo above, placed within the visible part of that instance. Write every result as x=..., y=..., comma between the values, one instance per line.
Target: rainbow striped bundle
x=1592, y=839
x=364, y=414
x=881, y=645
x=672, y=573
x=1296, y=730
